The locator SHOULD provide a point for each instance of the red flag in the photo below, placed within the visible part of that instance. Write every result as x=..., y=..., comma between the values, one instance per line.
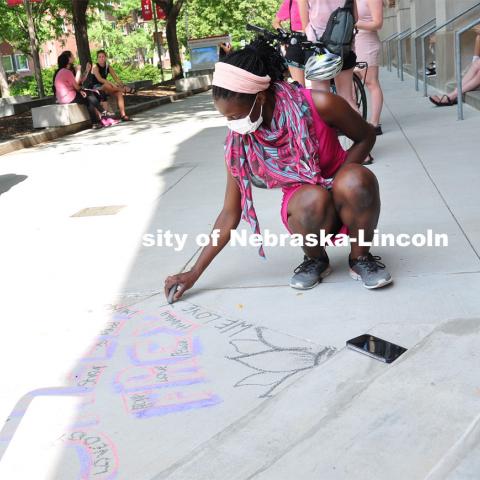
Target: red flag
x=147, y=12
x=13, y=3
x=161, y=15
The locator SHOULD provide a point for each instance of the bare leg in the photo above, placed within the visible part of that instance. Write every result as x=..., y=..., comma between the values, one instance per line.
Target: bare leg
x=310, y=210
x=120, y=103
x=470, y=82
x=297, y=74
x=110, y=89
x=324, y=86
x=357, y=201
x=344, y=82
x=373, y=84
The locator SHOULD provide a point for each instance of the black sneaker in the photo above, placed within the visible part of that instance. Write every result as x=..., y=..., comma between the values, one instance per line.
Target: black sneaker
x=310, y=272
x=371, y=271
x=97, y=126
x=378, y=130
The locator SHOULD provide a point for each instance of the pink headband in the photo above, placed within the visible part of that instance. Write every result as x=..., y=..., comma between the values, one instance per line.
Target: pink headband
x=238, y=80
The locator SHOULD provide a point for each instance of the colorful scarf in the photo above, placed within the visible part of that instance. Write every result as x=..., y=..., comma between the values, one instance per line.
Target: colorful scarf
x=284, y=155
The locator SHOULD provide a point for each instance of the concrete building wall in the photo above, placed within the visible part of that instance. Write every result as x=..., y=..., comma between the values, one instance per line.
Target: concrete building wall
x=401, y=14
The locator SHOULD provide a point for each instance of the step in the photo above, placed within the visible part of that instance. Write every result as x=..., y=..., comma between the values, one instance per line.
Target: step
x=354, y=417
x=59, y=115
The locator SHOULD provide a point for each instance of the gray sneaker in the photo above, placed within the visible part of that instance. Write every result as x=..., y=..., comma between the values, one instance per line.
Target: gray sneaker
x=371, y=271
x=310, y=273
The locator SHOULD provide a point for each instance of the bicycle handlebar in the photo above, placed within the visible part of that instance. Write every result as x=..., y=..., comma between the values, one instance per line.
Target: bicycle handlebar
x=285, y=37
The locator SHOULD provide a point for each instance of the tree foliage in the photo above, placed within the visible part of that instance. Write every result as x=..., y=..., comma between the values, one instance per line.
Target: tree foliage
x=124, y=39
x=48, y=19
x=211, y=17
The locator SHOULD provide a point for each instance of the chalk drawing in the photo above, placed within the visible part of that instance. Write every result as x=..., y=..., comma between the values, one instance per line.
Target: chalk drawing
x=96, y=453
x=133, y=379
x=163, y=349
x=154, y=403
x=103, y=349
x=273, y=365
x=224, y=325
x=87, y=376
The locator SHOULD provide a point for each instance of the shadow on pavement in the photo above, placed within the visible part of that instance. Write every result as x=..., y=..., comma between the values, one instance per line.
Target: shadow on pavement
x=10, y=180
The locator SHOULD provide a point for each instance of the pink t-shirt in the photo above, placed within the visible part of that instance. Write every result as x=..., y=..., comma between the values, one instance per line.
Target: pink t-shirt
x=319, y=13
x=65, y=86
x=284, y=14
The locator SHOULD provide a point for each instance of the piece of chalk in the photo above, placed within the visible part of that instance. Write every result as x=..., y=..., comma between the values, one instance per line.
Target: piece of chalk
x=171, y=293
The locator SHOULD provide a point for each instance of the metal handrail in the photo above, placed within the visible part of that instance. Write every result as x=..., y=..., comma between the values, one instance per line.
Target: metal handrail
x=424, y=57
x=400, y=38
x=389, y=50
x=458, y=61
x=387, y=40
x=436, y=29
x=414, y=51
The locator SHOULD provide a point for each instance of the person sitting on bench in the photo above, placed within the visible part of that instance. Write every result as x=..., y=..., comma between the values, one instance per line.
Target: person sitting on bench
x=471, y=80
x=68, y=90
x=98, y=80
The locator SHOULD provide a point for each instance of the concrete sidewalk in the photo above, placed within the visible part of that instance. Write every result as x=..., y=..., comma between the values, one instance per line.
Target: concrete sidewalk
x=246, y=378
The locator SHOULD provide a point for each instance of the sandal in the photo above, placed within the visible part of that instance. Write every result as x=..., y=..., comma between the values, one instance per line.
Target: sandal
x=129, y=90
x=441, y=103
x=368, y=161
x=126, y=118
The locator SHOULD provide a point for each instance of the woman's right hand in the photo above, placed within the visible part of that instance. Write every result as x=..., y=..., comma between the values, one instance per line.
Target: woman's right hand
x=185, y=281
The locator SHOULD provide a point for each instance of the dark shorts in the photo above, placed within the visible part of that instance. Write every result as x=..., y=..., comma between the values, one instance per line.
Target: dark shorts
x=102, y=95
x=295, y=54
x=349, y=61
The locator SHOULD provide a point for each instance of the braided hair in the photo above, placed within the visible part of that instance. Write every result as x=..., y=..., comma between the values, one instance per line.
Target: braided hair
x=259, y=58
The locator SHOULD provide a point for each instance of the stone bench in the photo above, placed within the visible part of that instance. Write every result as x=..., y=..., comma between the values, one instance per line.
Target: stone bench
x=138, y=84
x=14, y=105
x=193, y=83
x=59, y=115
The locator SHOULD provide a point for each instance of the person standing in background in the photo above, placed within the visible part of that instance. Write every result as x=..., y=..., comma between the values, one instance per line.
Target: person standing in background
x=295, y=55
x=368, y=48
x=315, y=15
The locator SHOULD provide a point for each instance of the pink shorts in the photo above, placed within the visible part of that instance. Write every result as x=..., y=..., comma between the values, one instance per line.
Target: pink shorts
x=288, y=193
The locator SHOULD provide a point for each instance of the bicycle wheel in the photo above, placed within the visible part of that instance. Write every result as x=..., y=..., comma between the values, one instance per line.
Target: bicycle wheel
x=360, y=96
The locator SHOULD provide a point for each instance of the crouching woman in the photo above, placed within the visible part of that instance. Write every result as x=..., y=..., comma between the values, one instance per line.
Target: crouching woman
x=283, y=136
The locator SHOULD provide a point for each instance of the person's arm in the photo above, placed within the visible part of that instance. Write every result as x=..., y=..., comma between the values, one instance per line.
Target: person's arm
x=227, y=220
x=476, y=50
x=304, y=13
x=84, y=75
x=282, y=15
x=114, y=75
x=78, y=74
x=276, y=23
x=376, y=9
x=337, y=113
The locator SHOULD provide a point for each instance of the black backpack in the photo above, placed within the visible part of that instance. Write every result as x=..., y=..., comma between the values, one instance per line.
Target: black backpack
x=340, y=32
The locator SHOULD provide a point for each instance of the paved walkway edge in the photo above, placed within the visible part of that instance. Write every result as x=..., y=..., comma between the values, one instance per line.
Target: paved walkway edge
x=50, y=134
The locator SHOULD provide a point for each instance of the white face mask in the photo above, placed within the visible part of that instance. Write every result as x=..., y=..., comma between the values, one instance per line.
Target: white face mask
x=245, y=125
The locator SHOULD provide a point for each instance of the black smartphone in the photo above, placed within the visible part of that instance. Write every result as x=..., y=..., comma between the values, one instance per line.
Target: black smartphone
x=376, y=348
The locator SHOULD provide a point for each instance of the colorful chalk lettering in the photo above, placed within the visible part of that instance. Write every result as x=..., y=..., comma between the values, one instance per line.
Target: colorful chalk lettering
x=154, y=403
x=133, y=379
x=96, y=453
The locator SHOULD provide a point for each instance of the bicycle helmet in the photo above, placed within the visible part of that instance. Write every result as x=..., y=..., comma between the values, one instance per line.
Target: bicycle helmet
x=323, y=66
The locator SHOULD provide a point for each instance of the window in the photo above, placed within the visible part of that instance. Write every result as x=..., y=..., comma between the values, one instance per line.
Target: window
x=7, y=63
x=46, y=59
x=22, y=63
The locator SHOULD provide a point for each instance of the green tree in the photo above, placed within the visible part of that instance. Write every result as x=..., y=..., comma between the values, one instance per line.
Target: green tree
x=122, y=47
x=210, y=17
x=172, y=9
x=26, y=36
